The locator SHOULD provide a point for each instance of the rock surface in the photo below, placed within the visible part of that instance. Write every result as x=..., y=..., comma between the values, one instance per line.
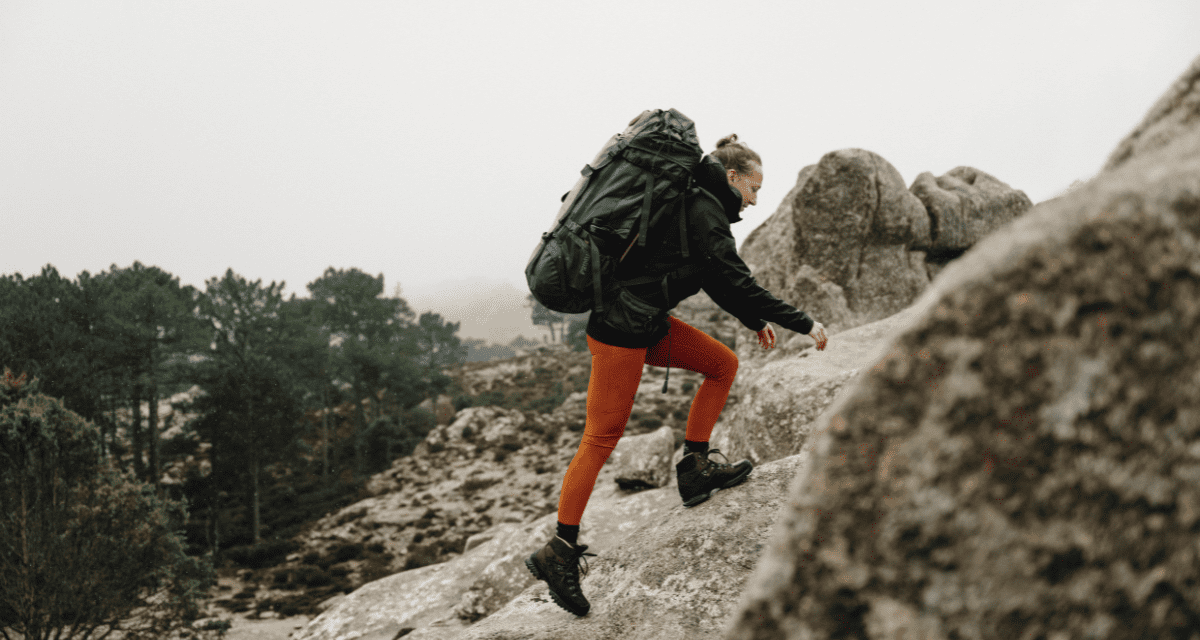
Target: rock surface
x=965, y=205
x=783, y=395
x=676, y=576
x=442, y=599
x=1023, y=462
x=1174, y=116
x=839, y=245
x=644, y=462
x=850, y=244
x=492, y=466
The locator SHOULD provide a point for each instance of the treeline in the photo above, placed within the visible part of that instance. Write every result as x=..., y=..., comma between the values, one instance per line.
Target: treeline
x=327, y=385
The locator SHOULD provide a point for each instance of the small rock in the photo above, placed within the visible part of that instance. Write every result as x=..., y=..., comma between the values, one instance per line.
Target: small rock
x=644, y=462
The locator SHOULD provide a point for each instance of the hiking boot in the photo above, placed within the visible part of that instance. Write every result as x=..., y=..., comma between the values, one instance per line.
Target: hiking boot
x=700, y=478
x=558, y=563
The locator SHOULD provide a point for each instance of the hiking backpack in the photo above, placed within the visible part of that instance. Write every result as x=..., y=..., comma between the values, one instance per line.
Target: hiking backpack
x=640, y=175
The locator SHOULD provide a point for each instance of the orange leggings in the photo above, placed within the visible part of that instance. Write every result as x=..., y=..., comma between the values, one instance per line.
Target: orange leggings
x=616, y=373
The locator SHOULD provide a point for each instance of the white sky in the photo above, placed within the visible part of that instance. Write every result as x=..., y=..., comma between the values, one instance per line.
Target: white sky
x=430, y=141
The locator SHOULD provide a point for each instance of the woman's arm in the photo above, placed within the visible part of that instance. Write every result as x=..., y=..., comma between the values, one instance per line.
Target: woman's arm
x=728, y=280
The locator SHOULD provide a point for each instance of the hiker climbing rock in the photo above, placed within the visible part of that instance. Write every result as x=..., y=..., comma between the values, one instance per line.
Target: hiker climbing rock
x=646, y=227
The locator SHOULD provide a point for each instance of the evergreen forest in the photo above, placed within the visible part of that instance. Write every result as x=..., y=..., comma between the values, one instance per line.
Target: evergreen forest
x=292, y=402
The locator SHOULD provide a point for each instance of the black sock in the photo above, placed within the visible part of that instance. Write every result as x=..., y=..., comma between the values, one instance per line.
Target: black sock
x=569, y=532
x=694, y=447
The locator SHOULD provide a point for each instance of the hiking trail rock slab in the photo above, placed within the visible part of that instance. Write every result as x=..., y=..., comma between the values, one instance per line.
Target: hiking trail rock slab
x=782, y=396
x=677, y=576
x=442, y=598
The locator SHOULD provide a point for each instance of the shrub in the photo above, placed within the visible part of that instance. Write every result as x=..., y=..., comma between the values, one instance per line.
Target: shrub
x=472, y=485
x=377, y=566
x=490, y=398
x=649, y=422
x=463, y=401
x=348, y=551
x=545, y=404
x=687, y=386
x=265, y=554
x=221, y=627
x=311, y=576
x=101, y=549
x=421, y=555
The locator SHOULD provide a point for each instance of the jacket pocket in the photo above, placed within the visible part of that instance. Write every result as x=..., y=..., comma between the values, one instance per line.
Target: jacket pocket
x=630, y=314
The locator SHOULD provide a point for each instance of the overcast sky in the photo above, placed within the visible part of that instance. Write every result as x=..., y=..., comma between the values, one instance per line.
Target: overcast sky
x=430, y=141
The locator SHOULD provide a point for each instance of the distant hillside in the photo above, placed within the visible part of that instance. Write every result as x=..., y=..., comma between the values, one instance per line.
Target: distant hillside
x=491, y=310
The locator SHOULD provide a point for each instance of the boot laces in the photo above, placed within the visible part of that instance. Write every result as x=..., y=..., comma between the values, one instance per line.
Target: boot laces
x=581, y=560
x=583, y=563
x=709, y=466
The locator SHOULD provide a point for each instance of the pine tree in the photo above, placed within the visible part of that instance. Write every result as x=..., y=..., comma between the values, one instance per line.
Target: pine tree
x=85, y=549
x=252, y=394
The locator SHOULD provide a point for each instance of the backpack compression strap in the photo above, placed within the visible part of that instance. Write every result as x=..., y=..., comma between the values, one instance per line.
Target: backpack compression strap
x=646, y=201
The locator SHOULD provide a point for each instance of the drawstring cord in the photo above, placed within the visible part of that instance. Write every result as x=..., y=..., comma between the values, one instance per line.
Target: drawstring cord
x=667, y=297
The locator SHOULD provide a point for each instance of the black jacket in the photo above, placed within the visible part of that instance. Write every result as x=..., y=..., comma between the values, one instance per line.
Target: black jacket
x=635, y=316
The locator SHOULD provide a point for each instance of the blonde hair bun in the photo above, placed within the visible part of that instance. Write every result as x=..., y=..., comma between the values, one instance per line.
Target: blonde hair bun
x=736, y=155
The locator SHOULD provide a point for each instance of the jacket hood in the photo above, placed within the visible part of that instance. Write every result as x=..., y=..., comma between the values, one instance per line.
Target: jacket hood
x=710, y=176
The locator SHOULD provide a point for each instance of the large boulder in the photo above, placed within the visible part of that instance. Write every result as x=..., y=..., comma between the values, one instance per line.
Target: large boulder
x=841, y=244
x=850, y=244
x=1024, y=460
x=677, y=576
x=965, y=205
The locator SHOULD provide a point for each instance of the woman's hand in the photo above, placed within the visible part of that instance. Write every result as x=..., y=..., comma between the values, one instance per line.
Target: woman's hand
x=766, y=337
x=818, y=333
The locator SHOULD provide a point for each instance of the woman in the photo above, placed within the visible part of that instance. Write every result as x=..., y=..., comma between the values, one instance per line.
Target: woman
x=635, y=329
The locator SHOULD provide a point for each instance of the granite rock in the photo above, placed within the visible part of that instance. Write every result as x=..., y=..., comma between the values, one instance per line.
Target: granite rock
x=677, y=576
x=784, y=394
x=1175, y=115
x=964, y=205
x=838, y=247
x=1023, y=461
x=441, y=599
x=644, y=462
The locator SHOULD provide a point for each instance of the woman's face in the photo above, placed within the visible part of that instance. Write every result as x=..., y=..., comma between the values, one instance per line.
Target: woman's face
x=748, y=183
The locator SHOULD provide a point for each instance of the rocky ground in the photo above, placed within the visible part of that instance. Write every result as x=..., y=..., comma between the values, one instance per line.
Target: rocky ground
x=488, y=465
